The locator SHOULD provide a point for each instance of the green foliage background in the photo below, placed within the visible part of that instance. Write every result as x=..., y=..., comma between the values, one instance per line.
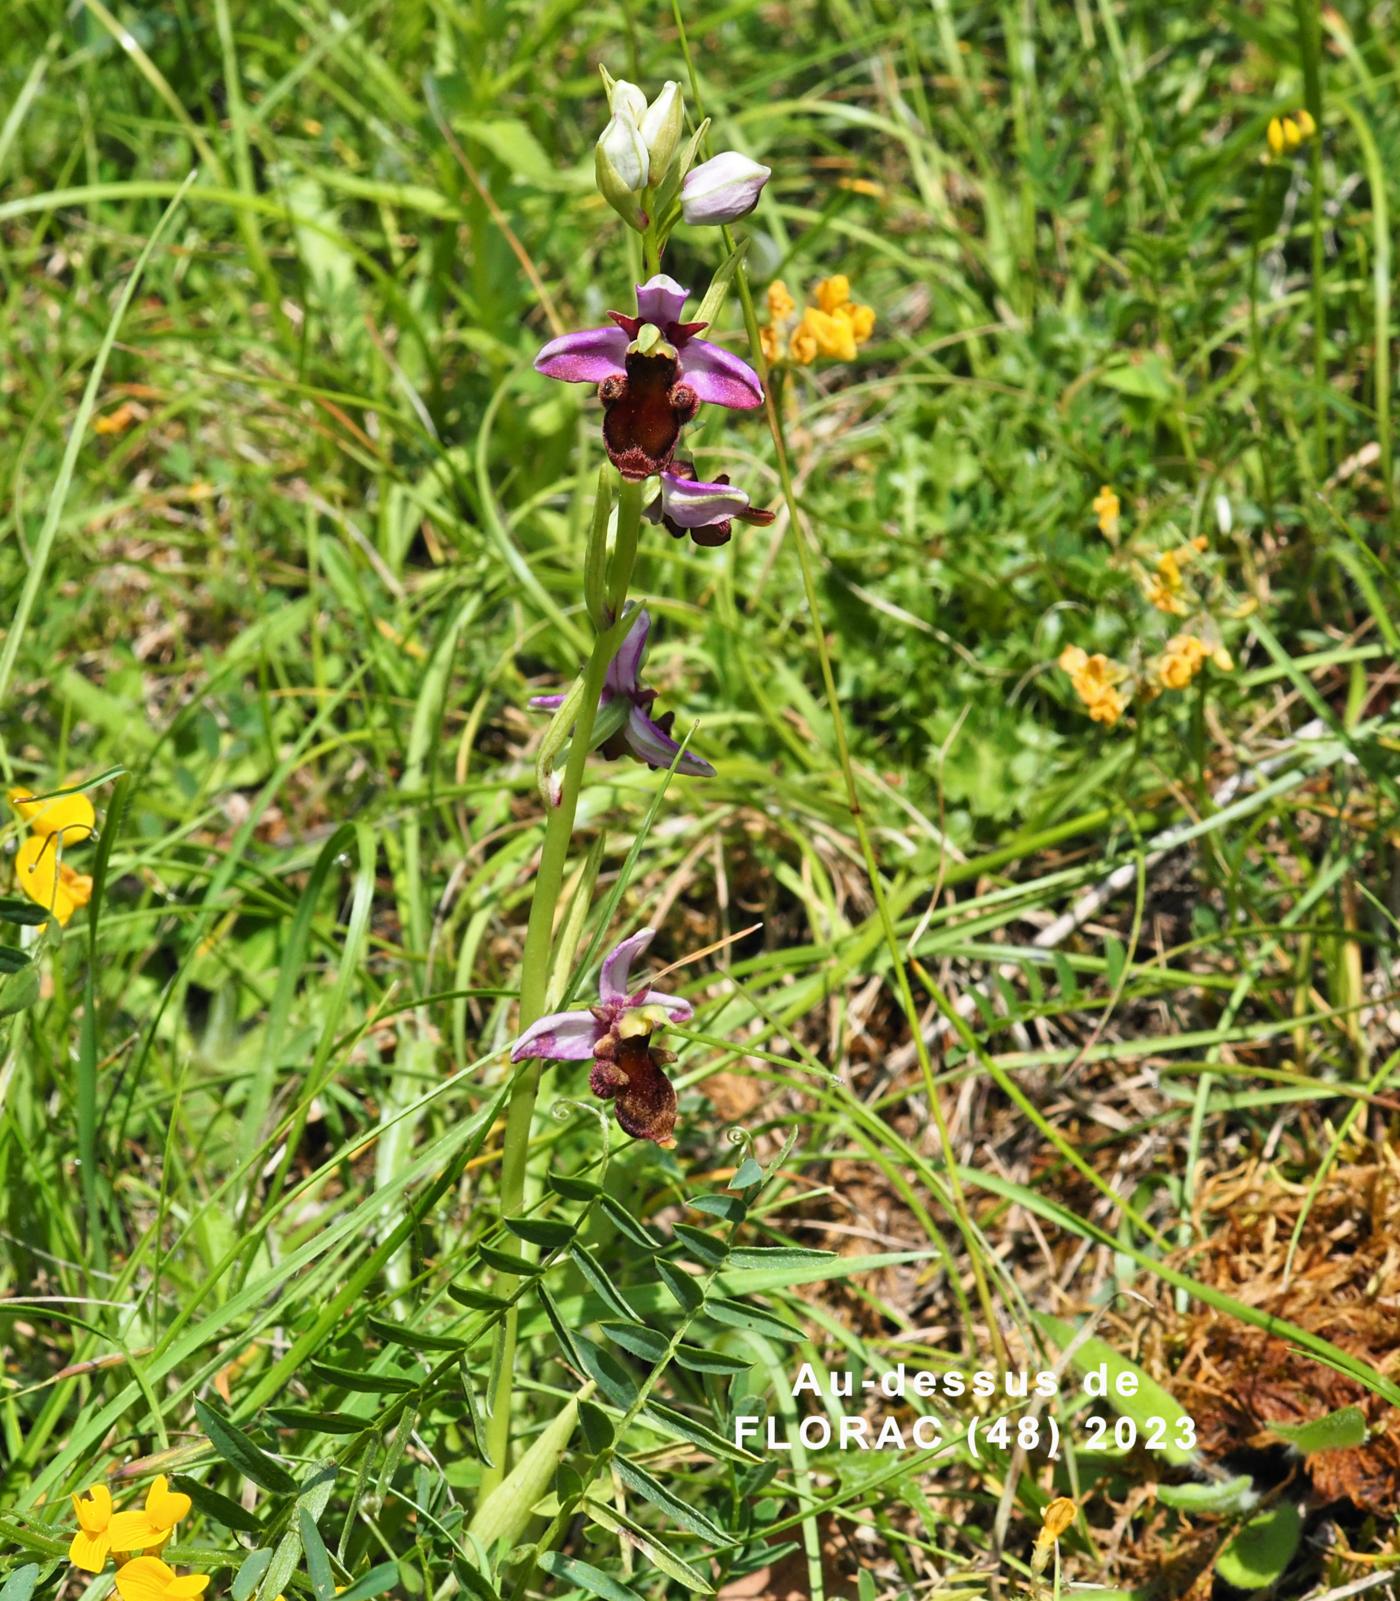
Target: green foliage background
x=322, y=543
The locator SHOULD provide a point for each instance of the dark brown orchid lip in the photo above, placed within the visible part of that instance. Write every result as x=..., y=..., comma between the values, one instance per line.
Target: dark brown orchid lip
x=630, y=1073
x=643, y=413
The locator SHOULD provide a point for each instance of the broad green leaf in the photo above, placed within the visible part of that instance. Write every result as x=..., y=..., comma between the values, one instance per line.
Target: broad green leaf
x=623, y=1221
x=20, y=1584
x=601, y=1284
x=1339, y=1431
x=607, y=1372
x=1149, y=1400
x=221, y=1508
x=1259, y=1554
x=302, y=1417
x=786, y=1257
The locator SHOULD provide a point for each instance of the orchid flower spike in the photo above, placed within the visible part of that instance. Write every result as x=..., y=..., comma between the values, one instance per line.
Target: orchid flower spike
x=624, y=710
x=705, y=511
x=616, y=1034
x=653, y=374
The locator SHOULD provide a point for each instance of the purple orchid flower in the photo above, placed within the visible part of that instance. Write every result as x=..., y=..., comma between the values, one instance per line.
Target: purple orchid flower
x=616, y=1033
x=638, y=733
x=651, y=385
x=705, y=511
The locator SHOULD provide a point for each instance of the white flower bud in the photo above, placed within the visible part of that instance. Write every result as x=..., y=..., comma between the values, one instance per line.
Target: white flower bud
x=723, y=189
x=661, y=129
x=626, y=100
x=621, y=167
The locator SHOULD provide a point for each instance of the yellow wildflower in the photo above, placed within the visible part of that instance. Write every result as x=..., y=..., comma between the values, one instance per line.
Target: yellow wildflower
x=47, y=881
x=1054, y=1520
x=781, y=305
x=1292, y=133
x=832, y=334
x=802, y=346
x=1306, y=126
x=1222, y=659
x=1095, y=680
x=1106, y=509
x=833, y=292
x=860, y=318
x=90, y=1545
x=155, y=1523
x=150, y=1579
x=1181, y=660
x=1274, y=134
x=58, y=814
x=771, y=342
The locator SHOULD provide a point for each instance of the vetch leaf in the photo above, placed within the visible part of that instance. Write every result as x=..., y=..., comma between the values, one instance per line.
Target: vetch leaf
x=415, y=1339
x=222, y=1508
x=756, y=1319
x=701, y=1247
x=252, y=1568
x=637, y=1479
x=701, y=1360
x=591, y=1580
x=318, y=1562
x=778, y=1256
x=623, y=1221
x=607, y=1372
x=600, y=1283
x=375, y=1582
x=363, y=1383
x=638, y=1338
x=239, y=1451
x=546, y=1233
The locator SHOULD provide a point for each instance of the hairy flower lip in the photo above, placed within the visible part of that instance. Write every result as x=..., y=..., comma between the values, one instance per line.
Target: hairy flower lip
x=593, y=355
x=631, y=1074
x=576, y=1036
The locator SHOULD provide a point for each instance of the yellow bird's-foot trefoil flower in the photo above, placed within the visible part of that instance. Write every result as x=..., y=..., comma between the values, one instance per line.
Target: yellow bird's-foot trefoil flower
x=56, y=814
x=835, y=327
x=1106, y=509
x=153, y=1525
x=150, y=1579
x=47, y=881
x=1095, y=680
x=90, y=1545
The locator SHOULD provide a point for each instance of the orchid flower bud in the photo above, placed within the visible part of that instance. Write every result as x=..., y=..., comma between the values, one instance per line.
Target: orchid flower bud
x=625, y=99
x=661, y=129
x=723, y=189
x=621, y=167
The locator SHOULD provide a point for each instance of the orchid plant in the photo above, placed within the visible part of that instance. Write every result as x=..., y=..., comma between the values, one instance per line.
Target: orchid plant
x=653, y=373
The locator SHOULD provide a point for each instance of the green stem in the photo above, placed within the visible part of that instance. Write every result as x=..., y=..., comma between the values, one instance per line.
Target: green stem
x=1309, y=24
x=537, y=961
